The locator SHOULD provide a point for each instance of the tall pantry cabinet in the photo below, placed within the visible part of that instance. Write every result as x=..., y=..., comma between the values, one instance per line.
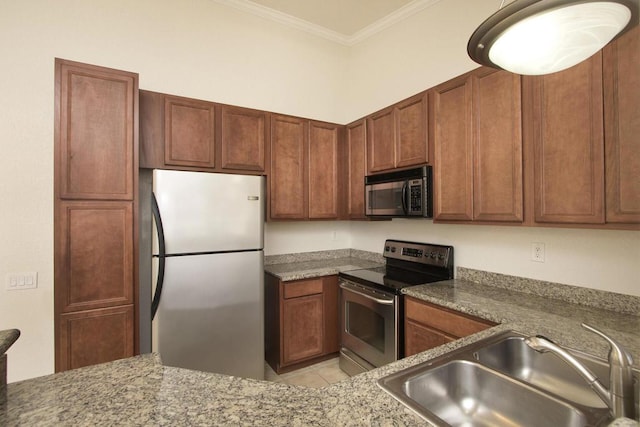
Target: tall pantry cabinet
x=95, y=214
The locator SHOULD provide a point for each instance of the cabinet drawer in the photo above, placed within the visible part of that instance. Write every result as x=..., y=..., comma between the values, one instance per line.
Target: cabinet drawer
x=302, y=288
x=456, y=324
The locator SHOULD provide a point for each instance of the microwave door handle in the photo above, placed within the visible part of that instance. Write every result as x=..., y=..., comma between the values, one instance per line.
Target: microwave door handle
x=404, y=197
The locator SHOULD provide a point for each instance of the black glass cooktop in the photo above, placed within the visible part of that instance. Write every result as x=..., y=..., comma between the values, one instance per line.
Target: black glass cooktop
x=389, y=278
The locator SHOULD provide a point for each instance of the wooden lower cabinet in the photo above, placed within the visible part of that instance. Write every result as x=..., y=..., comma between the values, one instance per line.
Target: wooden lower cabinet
x=95, y=336
x=301, y=321
x=428, y=325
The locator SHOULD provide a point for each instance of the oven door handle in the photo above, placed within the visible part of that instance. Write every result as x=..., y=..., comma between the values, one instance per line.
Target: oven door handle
x=367, y=296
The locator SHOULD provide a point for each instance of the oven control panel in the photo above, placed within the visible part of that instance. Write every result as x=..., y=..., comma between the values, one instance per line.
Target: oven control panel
x=423, y=253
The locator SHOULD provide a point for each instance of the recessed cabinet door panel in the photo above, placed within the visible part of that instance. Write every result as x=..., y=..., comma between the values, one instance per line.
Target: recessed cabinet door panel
x=96, y=132
x=497, y=189
x=411, y=128
x=288, y=179
x=96, y=255
x=381, y=141
x=622, y=127
x=323, y=171
x=243, y=137
x=95, y=336
x=357, y=163
x=453, y=176
x=189, y=132
x=302, y=323
x=569, y=145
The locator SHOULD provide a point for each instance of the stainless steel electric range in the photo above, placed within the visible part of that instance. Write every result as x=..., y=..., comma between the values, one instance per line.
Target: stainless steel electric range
x=371, y=302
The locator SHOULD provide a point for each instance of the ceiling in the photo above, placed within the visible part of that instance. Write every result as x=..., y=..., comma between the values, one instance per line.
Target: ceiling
x=343, y=21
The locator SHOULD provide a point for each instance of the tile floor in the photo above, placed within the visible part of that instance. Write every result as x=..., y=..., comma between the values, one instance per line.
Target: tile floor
x=319, y=375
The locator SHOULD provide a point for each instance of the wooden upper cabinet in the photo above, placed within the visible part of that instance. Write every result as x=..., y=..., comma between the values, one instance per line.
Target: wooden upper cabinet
x=96, y=131
x=622, y=128
x=355, y=145
x=323, y=170
x=568, y=144
x=243, y=137
x=397, y=136
x=477, y=140
x=189, y=132
x=497, y=146
x=453, y=149
x=411, y=131
x=288, y=172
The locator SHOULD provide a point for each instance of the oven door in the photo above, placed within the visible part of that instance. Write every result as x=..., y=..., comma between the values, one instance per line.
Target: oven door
x=369, y=326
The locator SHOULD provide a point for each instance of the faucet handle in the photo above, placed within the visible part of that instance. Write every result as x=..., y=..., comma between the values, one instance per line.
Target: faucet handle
x=618, y=354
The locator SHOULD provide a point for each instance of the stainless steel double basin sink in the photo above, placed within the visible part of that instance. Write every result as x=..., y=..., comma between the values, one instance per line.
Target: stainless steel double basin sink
x=500, y=381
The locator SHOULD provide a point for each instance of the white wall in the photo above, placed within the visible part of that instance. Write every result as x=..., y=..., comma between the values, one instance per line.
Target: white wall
x=194, y=48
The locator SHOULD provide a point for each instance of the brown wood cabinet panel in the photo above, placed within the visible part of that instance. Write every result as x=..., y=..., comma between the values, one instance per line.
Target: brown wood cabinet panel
x=622, y=128
x=450, y=322
x=95, y=336
x=497, y=148
x=323, y=171
x=381, y=134
x=151, y=130
x=453, y=147
x=411, y=131
x=288, y=177
x=356, y=169
x=419, y=338
x=96, y=131
x=243, y=137
x=189, y=132
x=331, y=316
x=95, y=255
x=568, y=145
x=302, y=334
x=302, y=288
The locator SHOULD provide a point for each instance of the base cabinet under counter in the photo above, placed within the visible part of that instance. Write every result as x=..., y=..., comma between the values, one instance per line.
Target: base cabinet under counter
x=301, y=321
x=429, y=325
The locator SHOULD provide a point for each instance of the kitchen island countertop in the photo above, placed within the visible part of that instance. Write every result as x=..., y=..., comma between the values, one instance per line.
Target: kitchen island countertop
x=141, y=391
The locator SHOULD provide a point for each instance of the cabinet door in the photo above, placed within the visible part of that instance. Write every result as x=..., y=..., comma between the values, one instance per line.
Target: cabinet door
x=453, y=145
x=381, y=134
x=497, y=146
x=323, y=171
x=189, y=132
x=94, y=255
x=95, y=336
x=96, y=131
x=242, y=139
x=419, y=338
x=568, y=145
x=622, y=127
x=411, y=132
x=302, y=328
x=288, y=177
x=356, y=154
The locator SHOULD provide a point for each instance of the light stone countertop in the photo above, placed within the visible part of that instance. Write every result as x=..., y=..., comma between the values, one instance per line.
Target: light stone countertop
x=140, y=391
x=289, y=269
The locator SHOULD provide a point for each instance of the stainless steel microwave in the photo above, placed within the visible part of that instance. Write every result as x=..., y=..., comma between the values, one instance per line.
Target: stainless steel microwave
x=405, y=193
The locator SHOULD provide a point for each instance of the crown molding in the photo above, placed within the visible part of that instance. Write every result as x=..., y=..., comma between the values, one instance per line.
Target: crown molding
x=317, y=30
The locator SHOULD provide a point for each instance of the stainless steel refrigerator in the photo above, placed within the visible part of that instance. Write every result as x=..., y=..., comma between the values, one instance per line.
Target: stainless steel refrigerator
x=208, y=298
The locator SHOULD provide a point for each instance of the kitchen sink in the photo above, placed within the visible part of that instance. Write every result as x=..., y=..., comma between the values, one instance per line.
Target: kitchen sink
x=513, y=357
x=500, y=381
x=464, y=393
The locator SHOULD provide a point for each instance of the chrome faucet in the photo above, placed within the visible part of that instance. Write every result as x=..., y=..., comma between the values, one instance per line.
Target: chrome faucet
x=619, y=398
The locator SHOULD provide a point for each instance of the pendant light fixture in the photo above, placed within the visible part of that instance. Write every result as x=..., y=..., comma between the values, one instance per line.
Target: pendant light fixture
x=536, y=37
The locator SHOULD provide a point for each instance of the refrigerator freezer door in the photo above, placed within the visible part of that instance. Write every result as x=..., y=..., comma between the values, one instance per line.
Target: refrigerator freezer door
x=210, y=316
x=208, y=212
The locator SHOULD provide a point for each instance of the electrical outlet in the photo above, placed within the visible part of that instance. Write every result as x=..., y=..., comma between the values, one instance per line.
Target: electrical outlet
x=537, y=251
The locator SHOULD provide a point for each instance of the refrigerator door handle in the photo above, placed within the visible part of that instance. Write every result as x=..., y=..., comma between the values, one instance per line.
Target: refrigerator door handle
x=161, y=256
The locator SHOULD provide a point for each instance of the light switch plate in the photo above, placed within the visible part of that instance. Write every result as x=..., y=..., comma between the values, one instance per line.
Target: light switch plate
x=17, y=281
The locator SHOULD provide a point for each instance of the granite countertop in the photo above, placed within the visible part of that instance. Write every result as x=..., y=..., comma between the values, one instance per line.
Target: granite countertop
x=292, y=268
x=7, y=338
x=141, y=391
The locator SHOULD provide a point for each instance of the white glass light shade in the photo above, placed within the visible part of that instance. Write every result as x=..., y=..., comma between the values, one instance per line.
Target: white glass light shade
x=544, y=37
